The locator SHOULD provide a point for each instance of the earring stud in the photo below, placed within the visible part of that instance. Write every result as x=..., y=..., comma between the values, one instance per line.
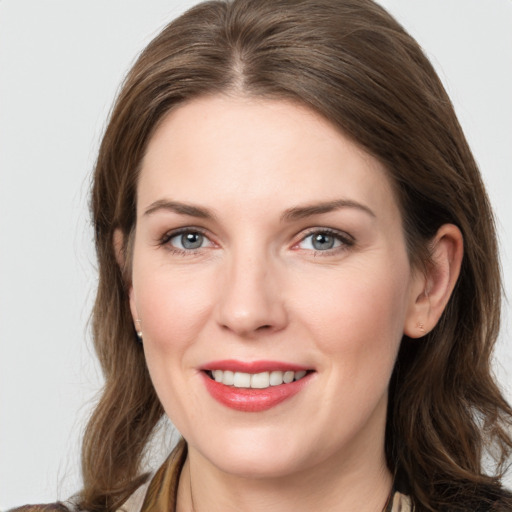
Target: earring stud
x=139, y=330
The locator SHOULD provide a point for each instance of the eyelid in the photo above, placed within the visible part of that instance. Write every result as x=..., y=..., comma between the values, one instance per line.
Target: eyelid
x=345, y=238
x=169, y=235
x=179, y=231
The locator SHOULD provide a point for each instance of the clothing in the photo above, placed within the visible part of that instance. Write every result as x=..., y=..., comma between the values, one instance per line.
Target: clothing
x=399, y=503
x=162, y=490
x=159, y=493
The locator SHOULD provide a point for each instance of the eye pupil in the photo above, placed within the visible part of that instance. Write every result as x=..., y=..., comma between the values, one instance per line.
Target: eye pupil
x=323, y=241
x=192, y=240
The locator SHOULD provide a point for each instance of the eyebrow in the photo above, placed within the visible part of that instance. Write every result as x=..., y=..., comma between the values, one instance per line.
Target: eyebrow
x=290, y=215
x=302, y=212
x=180, y=208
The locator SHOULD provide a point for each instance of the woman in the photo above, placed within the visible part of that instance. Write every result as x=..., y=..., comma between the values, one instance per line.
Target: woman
x=298, y=266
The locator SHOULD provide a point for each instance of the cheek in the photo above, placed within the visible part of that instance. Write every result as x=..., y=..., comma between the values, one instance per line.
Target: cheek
x=356, y=315
x=172, y=306
x=356, y=323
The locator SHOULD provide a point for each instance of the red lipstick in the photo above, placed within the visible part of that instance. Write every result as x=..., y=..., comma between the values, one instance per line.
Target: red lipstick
x=253, y=366
x=247, y=399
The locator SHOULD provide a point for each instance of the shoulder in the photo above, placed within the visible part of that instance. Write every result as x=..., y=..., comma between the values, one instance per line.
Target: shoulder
x=132, y=504
x=482, y=499
x=502, y=504
x=51, y=507
x=496, y=501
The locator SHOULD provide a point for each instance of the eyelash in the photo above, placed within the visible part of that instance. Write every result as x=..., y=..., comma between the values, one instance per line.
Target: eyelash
x=164, y=241
x=346, y=241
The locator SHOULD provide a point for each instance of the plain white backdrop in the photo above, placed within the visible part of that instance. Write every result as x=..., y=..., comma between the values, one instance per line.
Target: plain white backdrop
x=61, y=63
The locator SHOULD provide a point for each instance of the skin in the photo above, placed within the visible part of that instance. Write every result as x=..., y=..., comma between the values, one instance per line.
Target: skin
x=258, y=289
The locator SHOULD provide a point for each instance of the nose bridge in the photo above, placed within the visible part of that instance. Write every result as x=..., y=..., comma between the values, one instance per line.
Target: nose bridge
x=250, y=300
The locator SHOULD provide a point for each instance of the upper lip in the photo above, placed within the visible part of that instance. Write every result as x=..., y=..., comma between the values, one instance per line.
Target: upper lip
x=252, y=366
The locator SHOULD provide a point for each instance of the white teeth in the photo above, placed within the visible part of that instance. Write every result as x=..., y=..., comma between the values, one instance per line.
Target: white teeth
x=242, y=380
x=288, y=377
x=261, y=380
x=228, y=378
x=299, y=375
x=276, y=378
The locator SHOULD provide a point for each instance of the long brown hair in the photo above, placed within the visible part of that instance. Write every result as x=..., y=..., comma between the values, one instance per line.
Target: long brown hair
x=350, y=61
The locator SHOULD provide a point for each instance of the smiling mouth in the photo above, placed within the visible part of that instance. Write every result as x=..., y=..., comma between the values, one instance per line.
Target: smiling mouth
x=262, y=380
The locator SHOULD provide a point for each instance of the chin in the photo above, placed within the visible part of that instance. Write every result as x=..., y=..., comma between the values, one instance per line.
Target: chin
x=258, y=468
x=254, y=456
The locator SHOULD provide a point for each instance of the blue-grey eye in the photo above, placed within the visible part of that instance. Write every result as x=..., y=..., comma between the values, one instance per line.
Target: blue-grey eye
x=189, y=240
x=321, y=241
x=192, y=240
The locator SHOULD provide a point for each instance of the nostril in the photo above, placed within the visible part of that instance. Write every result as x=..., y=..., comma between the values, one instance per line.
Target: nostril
x=264, y=327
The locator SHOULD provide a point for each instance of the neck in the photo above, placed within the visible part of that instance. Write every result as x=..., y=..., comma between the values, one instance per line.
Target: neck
x=361, y=487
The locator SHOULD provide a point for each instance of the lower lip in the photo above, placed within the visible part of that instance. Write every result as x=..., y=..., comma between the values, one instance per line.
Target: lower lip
x=253, y=400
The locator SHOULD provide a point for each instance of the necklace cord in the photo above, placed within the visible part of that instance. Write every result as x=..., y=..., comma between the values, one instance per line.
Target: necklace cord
x=387, y=505
x=190, y=486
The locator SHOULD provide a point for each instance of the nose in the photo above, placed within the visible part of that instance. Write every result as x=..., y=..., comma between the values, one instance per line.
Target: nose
x=251, y=298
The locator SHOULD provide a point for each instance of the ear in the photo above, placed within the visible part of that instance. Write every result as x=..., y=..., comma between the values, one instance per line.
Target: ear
x=432, y=290
x=119, y=250
x=118, y=242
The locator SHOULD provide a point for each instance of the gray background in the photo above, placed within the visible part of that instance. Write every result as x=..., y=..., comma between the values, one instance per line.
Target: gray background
x=61, y=62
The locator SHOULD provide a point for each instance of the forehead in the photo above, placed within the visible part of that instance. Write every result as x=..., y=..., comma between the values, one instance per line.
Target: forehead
x=266, y=152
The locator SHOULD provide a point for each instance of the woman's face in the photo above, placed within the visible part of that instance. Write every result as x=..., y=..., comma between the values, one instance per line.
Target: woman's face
x=269, y=247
